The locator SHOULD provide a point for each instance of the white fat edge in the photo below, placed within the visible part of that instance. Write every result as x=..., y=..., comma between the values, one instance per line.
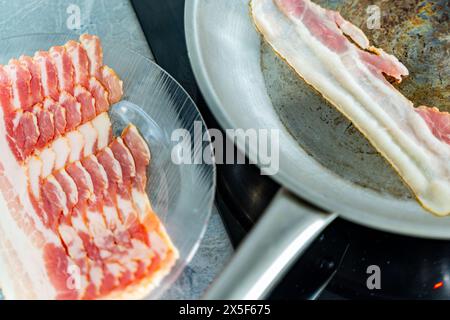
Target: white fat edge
x=16, y=119
x=129, y=156
x=115, y=164
x=158, y=244
x=17, y=286
x=100, y=169
x=102, y=124
x=31, y=258
x=360, y=111
x=90, y=138
x=129, y=262
x=11, y=288
x=135, y=131
x=140, y=252
x=73, y=242
x=96, y=275
x=79, y=224
x=42, y=67
x=141, y=202
x=62, y=195
x=58, y=62
x=34, y=173
x=111, y=217
x=74, y=195
x=115, y=269
x=89, y=46
x=96, y=224
x=76, y=145
x=109, y=73
x=74, y=55
x=62, y=150
x=87, y=177
x=125, y=207
x=48, y=158
x=12, y=73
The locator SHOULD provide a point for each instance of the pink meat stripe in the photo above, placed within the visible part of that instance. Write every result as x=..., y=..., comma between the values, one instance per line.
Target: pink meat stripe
x=75, y=217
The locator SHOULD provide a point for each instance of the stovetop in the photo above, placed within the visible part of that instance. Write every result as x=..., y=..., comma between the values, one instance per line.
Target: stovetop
x=347, y=261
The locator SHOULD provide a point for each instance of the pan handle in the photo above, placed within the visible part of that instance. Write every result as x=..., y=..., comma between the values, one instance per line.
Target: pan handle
x=283, y=233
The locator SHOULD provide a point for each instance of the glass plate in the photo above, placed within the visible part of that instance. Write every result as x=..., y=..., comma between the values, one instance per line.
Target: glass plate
x=182, y=195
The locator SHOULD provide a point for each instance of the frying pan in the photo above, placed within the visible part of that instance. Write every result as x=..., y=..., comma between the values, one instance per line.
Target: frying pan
x=323, y=159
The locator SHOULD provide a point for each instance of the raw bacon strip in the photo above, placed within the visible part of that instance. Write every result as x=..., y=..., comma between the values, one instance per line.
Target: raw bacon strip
x=26, y=133
x=54, y=201
x=112, y=83
x=100, y=95
x=80, y=63
x=69, y=187
x=82, y=180
x=107, y=77
x=77, y=252
x=148, y=230
x=114, y=172
x=34, y=175
x=20, y=79
x=73, y=231
x=46, y=126
x=101, y=182
x=8, y=108
x=76, y=145
x=59, y=265
x=6, y=102
x=141, y=154
x=351, y=76
x=59, y=115
x=48, y=73
x=87, y=102
x=136, y=230
x=61, y=148
x=90, y=135
x=35, y=82
x=98, y=239
x=64, y=71
x=48, y=158
x=119, y=195
x=102, y=125
x=73, y=110
x=92, y=45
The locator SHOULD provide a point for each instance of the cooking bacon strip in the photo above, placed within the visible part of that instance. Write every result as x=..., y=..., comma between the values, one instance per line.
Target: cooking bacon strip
x=350, y=74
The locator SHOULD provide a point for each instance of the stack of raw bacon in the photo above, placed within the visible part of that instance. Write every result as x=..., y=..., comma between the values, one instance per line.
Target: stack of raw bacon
x=75, y=220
